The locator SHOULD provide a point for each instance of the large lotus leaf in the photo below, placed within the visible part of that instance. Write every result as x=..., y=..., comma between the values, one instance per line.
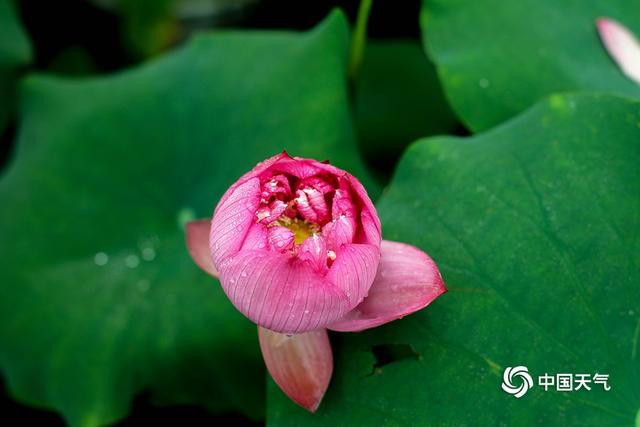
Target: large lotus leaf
x=398, y=99
x=535, y=228
x=496, y=58
x=15, y=52
x=99, y=299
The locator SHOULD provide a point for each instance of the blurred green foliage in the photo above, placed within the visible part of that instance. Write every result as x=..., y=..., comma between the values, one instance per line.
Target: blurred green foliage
x=15, y=53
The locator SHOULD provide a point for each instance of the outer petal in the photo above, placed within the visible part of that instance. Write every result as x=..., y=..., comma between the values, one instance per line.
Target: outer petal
x=407, y=280
x=354, y=269
x=232, y=220
x=256, y=237
x=197, y=236
x=623, y=47
x=300, y=364
x=258, y=170
x=280, y=292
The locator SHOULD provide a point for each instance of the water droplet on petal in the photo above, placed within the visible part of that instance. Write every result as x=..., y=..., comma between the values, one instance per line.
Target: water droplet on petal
x=243, y=274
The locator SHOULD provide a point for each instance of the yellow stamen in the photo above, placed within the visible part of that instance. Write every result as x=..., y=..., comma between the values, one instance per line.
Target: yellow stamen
x=301, y=229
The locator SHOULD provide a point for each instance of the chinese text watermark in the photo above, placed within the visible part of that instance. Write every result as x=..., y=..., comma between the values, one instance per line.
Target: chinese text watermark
x=517, y=381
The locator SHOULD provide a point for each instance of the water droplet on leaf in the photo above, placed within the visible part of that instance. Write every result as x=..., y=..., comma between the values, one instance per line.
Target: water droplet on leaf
x=101, y=259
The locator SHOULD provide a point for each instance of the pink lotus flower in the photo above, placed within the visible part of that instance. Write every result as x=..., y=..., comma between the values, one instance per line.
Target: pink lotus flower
x=297, y=247
x=622, y=46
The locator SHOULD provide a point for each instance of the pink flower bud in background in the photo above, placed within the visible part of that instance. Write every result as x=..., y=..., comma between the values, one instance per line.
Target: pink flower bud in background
x=297, y=247
x=622, y=46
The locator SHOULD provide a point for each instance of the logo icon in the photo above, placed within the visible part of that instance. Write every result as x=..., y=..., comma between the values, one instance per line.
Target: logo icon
x=520, y=374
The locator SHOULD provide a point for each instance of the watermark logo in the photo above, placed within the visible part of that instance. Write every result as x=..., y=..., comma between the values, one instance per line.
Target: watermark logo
x=519, y=375
x=517, y=381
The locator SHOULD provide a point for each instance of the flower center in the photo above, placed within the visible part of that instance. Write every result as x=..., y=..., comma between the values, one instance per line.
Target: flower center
x=310, y=217
x=300, y=228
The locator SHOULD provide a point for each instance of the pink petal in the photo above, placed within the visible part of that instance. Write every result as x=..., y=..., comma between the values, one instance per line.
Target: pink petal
x=342, y=204
x=357, y=190
x=280, y=238
x=278, y=185
x=256, y=237
x=314, y=251
x=232, y=219
x=316, y=182
x=312, y=206
x=339, y=232
x=260, y=169
x=354, y=269
x=197, y=235
x=622, y=46
x=268, y=214
x=300, y=364
x=407, y=280
x=296, y=166
x=281, y=293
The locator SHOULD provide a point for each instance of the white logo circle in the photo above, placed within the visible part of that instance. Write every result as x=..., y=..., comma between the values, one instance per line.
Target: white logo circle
x=516, y=372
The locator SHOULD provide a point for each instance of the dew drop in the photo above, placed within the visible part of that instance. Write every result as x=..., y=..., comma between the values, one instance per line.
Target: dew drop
x=143, y=285
x=185, y=215
x=306, y=312
x=243, y=274
x=101, y=259
x=148, y=254
x=132, y=261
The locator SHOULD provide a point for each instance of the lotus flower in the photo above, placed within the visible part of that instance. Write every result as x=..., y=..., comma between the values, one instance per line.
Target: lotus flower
x=296, y=245
x=622, y=46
